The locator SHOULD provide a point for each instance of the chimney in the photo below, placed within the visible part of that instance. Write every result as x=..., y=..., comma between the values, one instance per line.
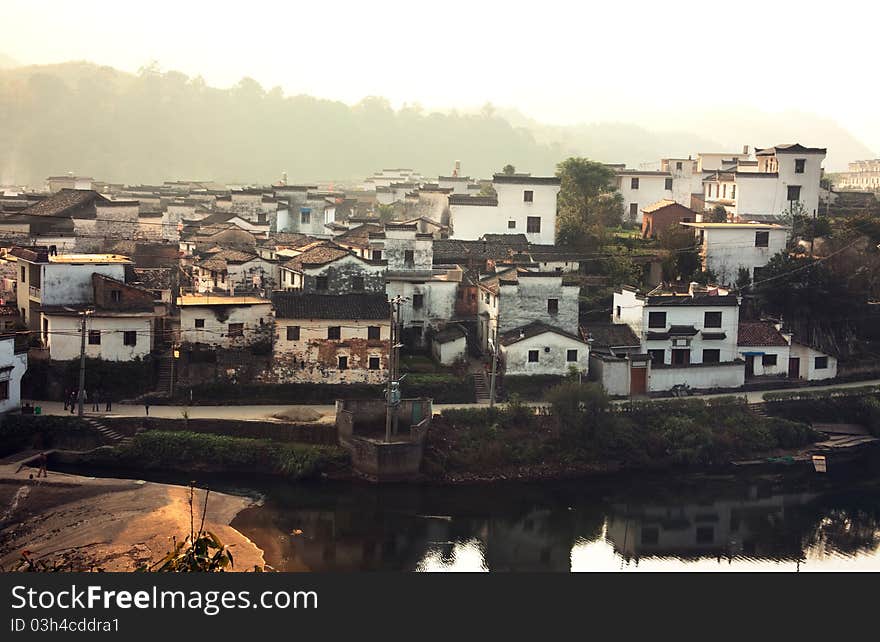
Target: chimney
x=746, y=150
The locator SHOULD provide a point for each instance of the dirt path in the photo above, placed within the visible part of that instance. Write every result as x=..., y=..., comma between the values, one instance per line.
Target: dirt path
x=112, y=524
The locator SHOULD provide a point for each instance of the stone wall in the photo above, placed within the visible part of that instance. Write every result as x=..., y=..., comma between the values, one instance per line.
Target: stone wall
x=526, y=302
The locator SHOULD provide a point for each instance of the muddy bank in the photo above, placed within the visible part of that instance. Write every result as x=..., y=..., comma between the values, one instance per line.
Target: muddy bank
x=109, y=524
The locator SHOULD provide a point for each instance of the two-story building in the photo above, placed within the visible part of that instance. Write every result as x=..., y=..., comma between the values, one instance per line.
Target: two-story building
x=728, y=248
x=327, y=268
x=235, y=322
x=641, y=188
x=690, y=336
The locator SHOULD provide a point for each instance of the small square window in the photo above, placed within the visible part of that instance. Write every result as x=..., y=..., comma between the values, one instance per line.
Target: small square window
x=768, y=360
x=794, y=192
x=373, y=332
x=821, y=363
x=528, y=196
x=374, y=363
x=762, y=238
x=334, y=332
x=377, y=255
x=712, y=356
x=657, y=356
x=235, y=330
x=712, y=320
x=129, y=338
x=418, y=301
x=533, y=356
x=293, y=333
x=408, y=257
x=634, y=183
x=200, y=323
x=511, y=225
x=571, y=355
x=799, y=165
x=668, y=184
x=321, y=283
x=94, y=337
x=305, y=217
x=116, y=296
x=4, y=390
x=533, y=224
x=552, y=306
x=357, y=283
x=657, y=320
x=343, y=363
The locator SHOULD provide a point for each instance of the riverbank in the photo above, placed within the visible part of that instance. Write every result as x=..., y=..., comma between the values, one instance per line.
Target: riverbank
x=86, y=523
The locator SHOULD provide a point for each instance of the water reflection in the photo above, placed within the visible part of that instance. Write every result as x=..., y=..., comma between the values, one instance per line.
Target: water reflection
x=564, y=527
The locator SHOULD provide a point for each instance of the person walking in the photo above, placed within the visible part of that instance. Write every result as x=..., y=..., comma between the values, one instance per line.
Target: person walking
x=96, y=405
x=147, y=406
x=74, y=395
x=66, y=398
x=109, y=403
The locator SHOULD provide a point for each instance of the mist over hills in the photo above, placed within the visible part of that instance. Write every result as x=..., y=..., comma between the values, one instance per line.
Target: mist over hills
x=154, y=126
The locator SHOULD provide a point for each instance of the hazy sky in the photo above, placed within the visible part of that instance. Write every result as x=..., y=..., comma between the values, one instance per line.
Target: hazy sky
x=559, y=62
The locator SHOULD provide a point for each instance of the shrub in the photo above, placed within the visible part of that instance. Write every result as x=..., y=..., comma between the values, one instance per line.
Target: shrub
x=578, y=407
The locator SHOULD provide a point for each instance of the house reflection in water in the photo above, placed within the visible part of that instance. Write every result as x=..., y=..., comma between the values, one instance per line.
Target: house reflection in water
x=751, y=526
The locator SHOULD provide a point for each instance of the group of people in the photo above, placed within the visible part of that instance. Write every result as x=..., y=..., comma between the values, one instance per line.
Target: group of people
x=98, y=397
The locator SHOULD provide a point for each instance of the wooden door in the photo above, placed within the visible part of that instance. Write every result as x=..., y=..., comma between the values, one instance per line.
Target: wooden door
x=750, y=365
x=794, y=368
x=638, y=381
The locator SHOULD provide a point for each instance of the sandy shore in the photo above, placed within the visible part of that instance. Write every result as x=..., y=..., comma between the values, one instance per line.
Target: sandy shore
x=109, y=524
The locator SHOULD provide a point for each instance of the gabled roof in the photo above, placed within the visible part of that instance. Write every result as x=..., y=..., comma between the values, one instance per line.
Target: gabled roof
x=662, y=205
x=789, y=148
x=306, y=305
x=759, y=333
x=610, y=335
x=359, y=236
x=64, y=202
x=526, y=179
x=533, y=330
x=319, y=255
x=447, y=335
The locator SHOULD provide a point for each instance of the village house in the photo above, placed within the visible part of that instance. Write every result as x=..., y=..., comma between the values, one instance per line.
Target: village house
x=641, y=188
x=53, y=280
x=449, y=345
x=228, y=270
x=69, y=181
x=727, y=248
x=13, y=365
x=65, y=219
x=523, y=204
x=765, y=349
x=330, y=269
x=232, y=322
x=541, y=349
x=691, y=337
x=325, y=338
x=120, y=323
x=616, y=359
x=862, y=175
x=658, y=217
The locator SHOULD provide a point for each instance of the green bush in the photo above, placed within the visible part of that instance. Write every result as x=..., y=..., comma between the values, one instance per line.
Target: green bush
x=528, y=388
x=44, y=432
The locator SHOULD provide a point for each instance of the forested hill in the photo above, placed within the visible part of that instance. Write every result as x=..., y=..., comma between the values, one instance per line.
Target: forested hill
x=154, y=126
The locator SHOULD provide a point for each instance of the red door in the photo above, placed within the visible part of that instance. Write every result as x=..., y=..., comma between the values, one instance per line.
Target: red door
x=794, y=368
x=638, y=381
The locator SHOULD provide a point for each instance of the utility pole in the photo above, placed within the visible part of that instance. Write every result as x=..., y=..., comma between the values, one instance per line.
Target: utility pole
x=392, y=391
x=493, y=375
x=82, y=362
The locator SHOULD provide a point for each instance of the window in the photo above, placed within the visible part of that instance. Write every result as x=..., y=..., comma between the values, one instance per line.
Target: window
x=418, y=301
x=821, y=363
x=678, y=165
x=235, y=330
x=94, y=337
x=725, y=191
x=116, y=296
x=511, y=225
x=617, y=311
x=343, y=363
x=129, y=338
x=374, y=363
x=571, y=355
x=634, y=183
x=799, y=165
x=528, y=196
x=357, y=283
x=762, y=238
x=373, y=332
x=633, y=211
x=712, y=320
x=794, y=192
x=487, y=298
x=552, y=306
x=377, y=255
x=681, y=357
x=712, y=356
x=533, y=356
x=333, y=332
x=657, y=320
x=768, y=360
x=23, y=273
x=668, y=184
x=200, y=323
x=533, y=224
x=305, y=217
x=408, y=257
x=293, y=333
x=733, y=191
x=657, y=356
x=321, y=283
x=4, y=390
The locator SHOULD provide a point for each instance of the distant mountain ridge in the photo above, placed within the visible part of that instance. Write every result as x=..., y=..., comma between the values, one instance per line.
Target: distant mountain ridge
x=155, y=126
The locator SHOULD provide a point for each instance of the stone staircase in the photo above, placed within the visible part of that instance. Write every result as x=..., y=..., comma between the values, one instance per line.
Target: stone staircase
x=481, y=386
x=758, y=409
x=111, y=435
x=163, y=383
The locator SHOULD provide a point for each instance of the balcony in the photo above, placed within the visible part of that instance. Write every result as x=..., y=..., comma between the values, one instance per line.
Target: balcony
x=33, y=292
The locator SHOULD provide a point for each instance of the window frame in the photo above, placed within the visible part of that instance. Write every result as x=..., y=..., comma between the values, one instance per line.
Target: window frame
x=293, y=332
x=129, y=334
x=528, y=196
x=656, y=314
x=374, y=330
x=199, y=324
x=762, y=235
x=536, y=354
x=766, y=361
x=334, y=330
x=715, y=354
x=634, y=182
x=706, y=317
x=235, y=330
x=553, y=306
x=568, y=355
x=94, y=337
x=821, y=359
x=418, y=301
x=371, y=360
x=533, y=225
x=342, y=362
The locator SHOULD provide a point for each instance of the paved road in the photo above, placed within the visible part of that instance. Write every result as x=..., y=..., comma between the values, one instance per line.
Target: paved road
x=327, y=412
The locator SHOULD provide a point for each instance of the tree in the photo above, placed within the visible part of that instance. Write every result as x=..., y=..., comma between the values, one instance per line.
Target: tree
x=508, y=170
x=683, y=260
x=717, y=215
x=578, y=407
x=588, y=201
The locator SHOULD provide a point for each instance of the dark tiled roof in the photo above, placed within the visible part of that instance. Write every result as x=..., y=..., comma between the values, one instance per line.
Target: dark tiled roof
x=758, y=333
x=63, y=202
x=449, y=333
x=320, y=255
x=464, y=199
x=299, y=305
x=510, y=240
x=524, y=179
x=705, y=300
x=532, y=330
x=154, y=278
x=610, y=335
x=790, y=148
x=682, y=330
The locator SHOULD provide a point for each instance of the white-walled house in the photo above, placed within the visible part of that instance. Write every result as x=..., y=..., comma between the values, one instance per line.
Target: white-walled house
x=541, y=349
x=690, y=337
x=524, y=205
x=725, y=248
x=224, y=321
x=449, y=345
x=616, y=360
x=641, y=188
x=810, y=363
x=786, y=174
x=765, y=349
x=13, y=365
